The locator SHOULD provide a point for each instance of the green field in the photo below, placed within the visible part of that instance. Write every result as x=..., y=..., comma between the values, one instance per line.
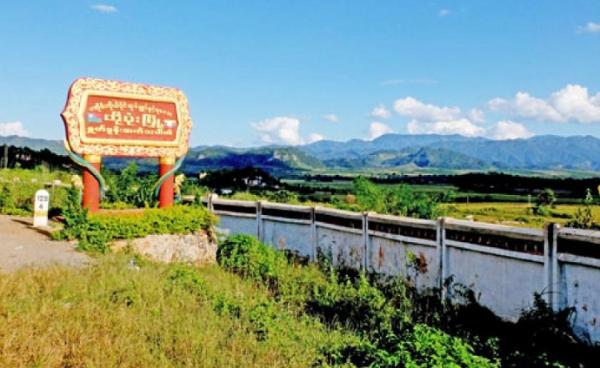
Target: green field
x=343, y=187
x=516, y=214
x=18, y=186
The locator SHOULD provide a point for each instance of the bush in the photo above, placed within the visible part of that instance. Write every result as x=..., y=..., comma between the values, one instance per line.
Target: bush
x=282, y=196
x=544, y=201
x=584, y=218
x=95, y=231
x=397, y=200
x=387, y=337
x=248, y=257
x=129, y=187
x=430, y=347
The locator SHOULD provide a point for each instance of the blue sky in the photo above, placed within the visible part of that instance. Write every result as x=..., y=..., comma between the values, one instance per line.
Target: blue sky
x=258, y=72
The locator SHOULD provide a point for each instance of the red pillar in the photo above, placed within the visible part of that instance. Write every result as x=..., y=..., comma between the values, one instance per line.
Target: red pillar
x=91, y=187
x=165, y=197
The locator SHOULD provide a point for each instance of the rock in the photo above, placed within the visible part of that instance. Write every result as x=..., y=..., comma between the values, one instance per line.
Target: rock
x=198, y=248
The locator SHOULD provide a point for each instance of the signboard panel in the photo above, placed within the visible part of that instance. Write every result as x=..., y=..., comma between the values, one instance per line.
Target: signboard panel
x=111, y=118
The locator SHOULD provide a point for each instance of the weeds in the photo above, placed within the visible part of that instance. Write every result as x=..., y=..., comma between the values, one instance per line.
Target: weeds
x=387, y=336
x=398, y=326
x=112, y=314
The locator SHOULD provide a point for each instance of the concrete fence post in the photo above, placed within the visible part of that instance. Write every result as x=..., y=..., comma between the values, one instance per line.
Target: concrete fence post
x=556, y=296
x=313, y=233
x=443, y=270
x=551, y=275
x=555, y=301
x=259, y=222
x=209, y=202
x=366, y=241
x=549, y=285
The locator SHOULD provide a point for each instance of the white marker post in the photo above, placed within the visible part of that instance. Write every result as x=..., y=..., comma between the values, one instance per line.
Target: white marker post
x=40, y=208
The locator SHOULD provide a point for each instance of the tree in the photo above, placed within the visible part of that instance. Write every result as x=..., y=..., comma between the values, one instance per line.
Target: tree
x=396, y=200
x=369, y=196
x=584, y=218
x=545, y=200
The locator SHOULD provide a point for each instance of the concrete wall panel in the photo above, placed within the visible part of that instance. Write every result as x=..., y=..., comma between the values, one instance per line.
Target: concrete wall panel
x=345, y=248
x=505, y=285
x=291, y=236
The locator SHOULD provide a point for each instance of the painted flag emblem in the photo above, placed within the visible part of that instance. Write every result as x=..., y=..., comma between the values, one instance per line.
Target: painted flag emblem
x=93, y=118
x=170, y=123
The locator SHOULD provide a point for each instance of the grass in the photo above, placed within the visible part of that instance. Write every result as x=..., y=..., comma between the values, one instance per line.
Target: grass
x=131, y=314
x=516, y=214
x=18, y=186
x=39, y=175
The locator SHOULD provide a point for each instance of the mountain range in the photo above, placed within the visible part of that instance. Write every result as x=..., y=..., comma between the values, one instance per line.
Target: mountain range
x=391, y=151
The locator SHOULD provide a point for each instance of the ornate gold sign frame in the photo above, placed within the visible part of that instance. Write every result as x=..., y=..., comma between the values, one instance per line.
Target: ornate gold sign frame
x=73, y=117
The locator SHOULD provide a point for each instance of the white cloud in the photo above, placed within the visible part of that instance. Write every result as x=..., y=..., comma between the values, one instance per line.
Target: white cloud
x=377, y=129
x=380, y=112
x=461, y=126
x=13, y=128
x=589, y=27
x=415, y=109
x=497, y=104
x=333, y=118
x=283, y=130
x=432, y=119
x=444, y=12
x=572, y=103
x=280, y=129
x=314, y=137
x=533, y=107
x=476, y=115
x=104, y=8
x=507, y=129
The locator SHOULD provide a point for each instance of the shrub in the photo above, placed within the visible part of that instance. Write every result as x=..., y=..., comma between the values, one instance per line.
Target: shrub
x=584, y=218
x=7, y=199
x=130, y=187
x=95, y=231
x=396, y=200
x=387, y=337
x=250, y=258
x=282, y=196
x=544, y=201
x=430, y=347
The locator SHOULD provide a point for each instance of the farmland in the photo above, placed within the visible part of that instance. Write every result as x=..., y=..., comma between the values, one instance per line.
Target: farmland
x=514, y=214
x=494, y=198
x=18, y=186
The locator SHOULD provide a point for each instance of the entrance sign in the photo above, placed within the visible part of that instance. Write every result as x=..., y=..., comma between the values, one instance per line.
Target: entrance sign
x=121, y=119
x=111, y=118
x=40, y=208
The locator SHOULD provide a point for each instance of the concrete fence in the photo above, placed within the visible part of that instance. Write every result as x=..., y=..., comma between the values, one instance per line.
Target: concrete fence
x=504, y=266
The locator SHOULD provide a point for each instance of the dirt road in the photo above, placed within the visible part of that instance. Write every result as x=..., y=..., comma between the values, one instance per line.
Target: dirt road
x=21, y=245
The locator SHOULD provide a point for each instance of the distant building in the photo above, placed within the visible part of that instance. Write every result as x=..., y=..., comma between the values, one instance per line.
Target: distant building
x=225, y=191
